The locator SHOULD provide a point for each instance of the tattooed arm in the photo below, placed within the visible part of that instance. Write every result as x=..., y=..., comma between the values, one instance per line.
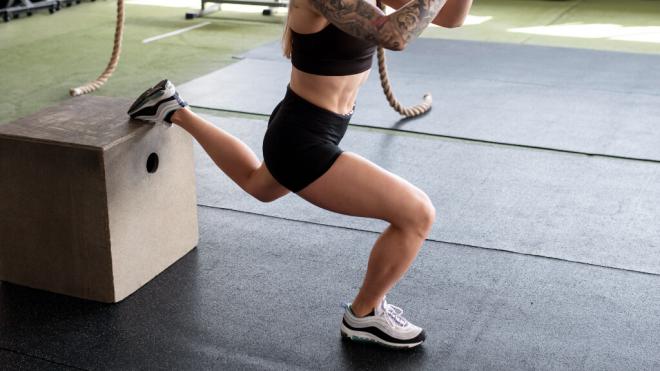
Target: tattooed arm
x=363, y=20
x=452, y=15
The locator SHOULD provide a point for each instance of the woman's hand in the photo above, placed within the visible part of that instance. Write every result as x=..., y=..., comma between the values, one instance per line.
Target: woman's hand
x=452, y=14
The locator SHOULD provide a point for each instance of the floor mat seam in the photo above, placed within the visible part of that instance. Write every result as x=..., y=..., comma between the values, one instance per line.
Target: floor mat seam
x=41, y=358
x=457, y=244
x=460, y=138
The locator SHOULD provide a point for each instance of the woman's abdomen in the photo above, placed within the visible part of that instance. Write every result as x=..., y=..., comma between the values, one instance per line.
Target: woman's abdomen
x=334, y=93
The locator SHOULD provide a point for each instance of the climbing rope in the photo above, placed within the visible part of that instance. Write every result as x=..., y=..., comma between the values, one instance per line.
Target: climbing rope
x=114, y=59
x=382, y=70
x=411, y=111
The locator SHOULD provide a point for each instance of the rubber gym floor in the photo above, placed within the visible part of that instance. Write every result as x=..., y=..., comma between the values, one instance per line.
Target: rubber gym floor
x=545, y=252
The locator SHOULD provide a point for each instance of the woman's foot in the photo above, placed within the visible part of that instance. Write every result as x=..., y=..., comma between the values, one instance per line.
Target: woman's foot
x=385, y=326
x=157, y=104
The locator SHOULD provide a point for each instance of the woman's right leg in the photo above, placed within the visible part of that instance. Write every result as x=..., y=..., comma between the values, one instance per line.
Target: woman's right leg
x=232, y=156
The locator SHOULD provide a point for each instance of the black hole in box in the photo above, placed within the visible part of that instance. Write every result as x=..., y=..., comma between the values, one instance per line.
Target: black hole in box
x=152, y=163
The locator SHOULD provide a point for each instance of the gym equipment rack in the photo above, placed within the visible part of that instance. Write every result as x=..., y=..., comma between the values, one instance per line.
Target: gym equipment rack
x=205, y=11
x=11, y=9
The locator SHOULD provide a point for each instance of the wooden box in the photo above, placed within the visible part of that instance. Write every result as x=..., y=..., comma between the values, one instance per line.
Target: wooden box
x=93, y=204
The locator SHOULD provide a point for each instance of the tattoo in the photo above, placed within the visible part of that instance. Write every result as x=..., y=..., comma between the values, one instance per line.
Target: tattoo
x=380, y=22
x=413, y=18
x=363, y=20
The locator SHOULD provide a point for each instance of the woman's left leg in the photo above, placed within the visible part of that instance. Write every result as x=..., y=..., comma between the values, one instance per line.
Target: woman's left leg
x=355, y=186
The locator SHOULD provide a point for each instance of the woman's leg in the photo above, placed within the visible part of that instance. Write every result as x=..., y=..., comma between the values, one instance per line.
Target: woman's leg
x=355, y=186
x=232, y=156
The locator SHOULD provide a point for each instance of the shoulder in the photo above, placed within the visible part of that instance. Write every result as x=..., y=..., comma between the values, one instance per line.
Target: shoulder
x=303, y=17
x=304, y=6
x=310, y=10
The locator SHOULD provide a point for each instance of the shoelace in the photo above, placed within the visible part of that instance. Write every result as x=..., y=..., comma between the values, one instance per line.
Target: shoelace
x=394, y=313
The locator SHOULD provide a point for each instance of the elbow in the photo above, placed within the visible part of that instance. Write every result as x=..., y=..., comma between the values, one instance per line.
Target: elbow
x=390, y=38
x=453, y=25
x=396, y=45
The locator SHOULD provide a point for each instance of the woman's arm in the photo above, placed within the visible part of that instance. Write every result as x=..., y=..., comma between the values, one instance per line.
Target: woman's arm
x=451, y=15
x=363, y=20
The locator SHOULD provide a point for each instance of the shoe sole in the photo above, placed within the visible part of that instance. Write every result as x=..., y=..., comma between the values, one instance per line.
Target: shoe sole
x=370, y=338
x=160, y=87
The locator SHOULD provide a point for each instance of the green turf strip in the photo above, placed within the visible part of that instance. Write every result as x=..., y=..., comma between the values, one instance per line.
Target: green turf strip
x=510, y=14
x=44, y=55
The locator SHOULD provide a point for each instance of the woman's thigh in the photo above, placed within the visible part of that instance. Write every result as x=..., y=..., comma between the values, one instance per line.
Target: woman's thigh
x=355, y=186
x=264, y=187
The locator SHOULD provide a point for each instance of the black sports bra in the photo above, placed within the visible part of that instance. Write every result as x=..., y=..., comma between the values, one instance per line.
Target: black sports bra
x=331, y=52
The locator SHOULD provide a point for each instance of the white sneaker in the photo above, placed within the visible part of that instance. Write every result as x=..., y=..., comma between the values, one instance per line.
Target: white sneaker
x=157, y=104
x=385, y=326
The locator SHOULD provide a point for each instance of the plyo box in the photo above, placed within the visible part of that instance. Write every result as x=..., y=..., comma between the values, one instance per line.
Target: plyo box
x=93, y=204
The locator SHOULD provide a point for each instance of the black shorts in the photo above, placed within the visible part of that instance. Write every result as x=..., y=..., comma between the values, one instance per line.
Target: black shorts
x=302, y=141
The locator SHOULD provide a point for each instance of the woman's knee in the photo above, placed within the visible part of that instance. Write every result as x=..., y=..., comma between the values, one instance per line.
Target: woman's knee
x=265, y=197
x=262, y=186
x=265, y=194
x=426, y=215
x=418, y=215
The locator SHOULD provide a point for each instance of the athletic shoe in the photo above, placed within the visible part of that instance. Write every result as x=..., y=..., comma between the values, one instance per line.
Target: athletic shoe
x=157, y=104
x=385, y=326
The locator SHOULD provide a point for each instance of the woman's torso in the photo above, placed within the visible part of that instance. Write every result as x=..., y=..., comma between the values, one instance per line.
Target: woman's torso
x=334, y=93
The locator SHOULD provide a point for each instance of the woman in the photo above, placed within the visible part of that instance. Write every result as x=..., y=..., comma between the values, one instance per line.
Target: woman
x=331, y=45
